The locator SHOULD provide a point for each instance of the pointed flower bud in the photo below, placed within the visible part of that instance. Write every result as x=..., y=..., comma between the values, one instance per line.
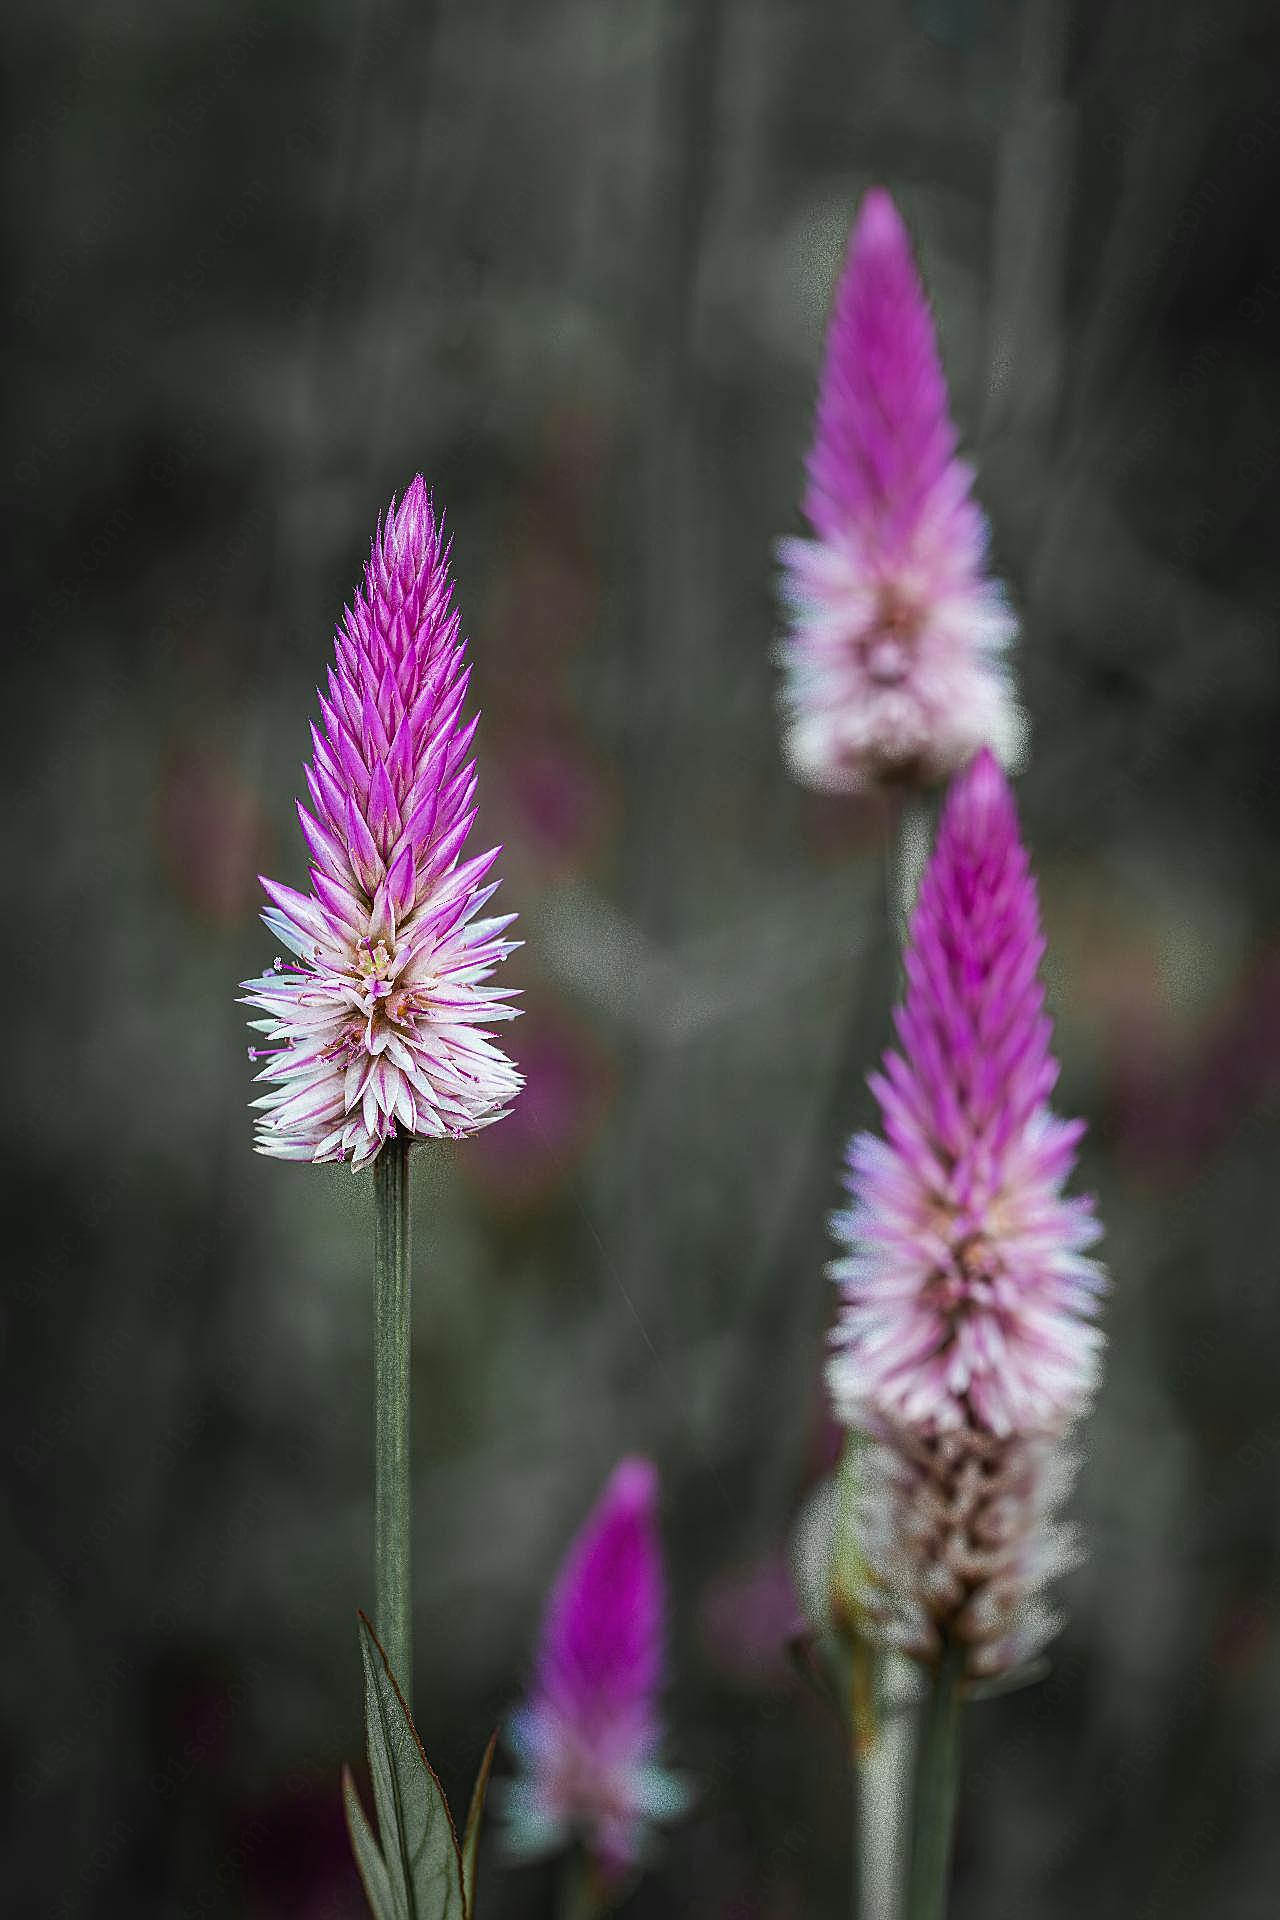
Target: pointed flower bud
x=893, y=661
x=377, y=1025
x=588, y=1739
x=968, y=1295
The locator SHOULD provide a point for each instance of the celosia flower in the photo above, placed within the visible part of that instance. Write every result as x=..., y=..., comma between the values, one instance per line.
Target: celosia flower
x=378, y=1026
x=894, y=667
x=958, y=1538
x=588, y=1739
x=967, y=1293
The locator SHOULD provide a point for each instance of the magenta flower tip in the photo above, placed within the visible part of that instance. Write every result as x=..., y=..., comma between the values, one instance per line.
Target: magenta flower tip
x=633, y=1487
x=968, y=1296
x=588, y=1738
x=879, y=224
x=378, y=1024
x=893, y=661
x=602, y=1639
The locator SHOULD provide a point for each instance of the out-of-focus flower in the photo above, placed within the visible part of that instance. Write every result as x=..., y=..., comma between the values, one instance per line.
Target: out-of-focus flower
x=959, y=1538
x=210, y=830
x=297, y=1853
x=568, y=1083
x=749, y=1618
x=968, y=1294
x=588, y=1739
x=894, y=659
x=1177, y=1097
x=561, y=798
x=378, y=1027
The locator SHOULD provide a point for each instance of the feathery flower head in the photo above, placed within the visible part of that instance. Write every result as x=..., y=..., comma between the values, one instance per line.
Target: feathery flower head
x=893, y=661
x=588, y=1738
x=968, y=1295
x=959, y=1537
x=377, y=1027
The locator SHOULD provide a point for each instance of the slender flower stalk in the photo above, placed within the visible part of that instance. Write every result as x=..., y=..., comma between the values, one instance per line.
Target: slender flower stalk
x=584, y=1893
x=885, y=1735
x=933, y=1826
x=894, y=667
x=587, y=1740
x=392, y=1351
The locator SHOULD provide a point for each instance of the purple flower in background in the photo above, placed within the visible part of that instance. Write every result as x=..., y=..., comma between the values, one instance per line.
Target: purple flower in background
x=378, y=1026
x=749, y=1616
x=588, y=1739
x=894, y=659
x=567, y=1086
x=968, y=1295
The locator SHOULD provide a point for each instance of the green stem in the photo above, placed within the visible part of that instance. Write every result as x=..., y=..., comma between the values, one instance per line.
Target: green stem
x=881, y=1749
x=581, y=1897
x=935, y=1808
x=905, y=859
x=881, y=1792
x=391, y=1347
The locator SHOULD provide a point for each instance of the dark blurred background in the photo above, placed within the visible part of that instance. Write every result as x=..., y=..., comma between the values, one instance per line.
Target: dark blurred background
x=571, y=258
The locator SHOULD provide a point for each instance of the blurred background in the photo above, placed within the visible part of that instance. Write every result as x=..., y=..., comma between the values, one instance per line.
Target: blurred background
x=571, y=258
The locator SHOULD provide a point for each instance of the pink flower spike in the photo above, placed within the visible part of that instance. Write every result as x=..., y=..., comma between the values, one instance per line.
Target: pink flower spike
x=379, y=1027
x=587, y=1740
x=893, y=661
x=968, y=1296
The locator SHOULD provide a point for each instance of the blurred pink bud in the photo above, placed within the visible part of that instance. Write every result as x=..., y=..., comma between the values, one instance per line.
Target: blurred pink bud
x=894, y=659
x=588, y=1738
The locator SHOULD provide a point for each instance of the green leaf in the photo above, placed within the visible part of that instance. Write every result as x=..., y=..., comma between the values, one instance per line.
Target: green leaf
x=822, y=1661
x=471, y=1835
x=373, y=1870
x=1013, y=1682
x=419, y=1846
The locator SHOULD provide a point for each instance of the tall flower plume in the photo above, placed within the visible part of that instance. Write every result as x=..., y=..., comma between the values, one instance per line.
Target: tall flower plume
x=588, y=1738
x=893, y=661
x=968, y=1293
x=377, y=1026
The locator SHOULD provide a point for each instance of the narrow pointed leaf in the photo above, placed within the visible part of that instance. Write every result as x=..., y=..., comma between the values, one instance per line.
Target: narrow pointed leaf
x=414, y=1823
x=1026, y=1675
x=471, y=1835
x=373, y=1870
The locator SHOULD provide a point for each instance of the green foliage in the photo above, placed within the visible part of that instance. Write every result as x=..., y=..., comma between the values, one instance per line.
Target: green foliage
x=414, y=1869
x=471, y=1837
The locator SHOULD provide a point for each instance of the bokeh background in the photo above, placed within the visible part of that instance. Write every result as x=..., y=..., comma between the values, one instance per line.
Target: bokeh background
x=571, y=258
